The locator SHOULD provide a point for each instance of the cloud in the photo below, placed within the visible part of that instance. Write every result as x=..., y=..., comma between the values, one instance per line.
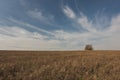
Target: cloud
x=44, y=18
x=112, y=41
x=101, y=30
x=16, y=37
x=83, y=21
x=69, y=12
x=20, y=38
x=40, y=15
x=14, y=32
x=30, y=26
x=115, y=22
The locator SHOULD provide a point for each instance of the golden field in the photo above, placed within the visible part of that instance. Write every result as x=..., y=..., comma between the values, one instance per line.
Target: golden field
x=59, y=65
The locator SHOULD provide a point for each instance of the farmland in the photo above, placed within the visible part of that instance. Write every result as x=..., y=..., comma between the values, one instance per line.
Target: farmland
x=59, y=65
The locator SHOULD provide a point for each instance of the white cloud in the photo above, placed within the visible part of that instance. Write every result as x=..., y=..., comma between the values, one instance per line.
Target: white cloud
x=21, y=39
x=31, y=26
x=28, y=44
x=68, y=12
x=41, y=16
x=101, y=30
x=16, y=37
x=83, y=21
x=115, y=24
x=17, y=32
x=44, y=17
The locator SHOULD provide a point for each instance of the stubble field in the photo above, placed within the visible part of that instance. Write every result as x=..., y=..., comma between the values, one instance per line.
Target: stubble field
x=59, y=65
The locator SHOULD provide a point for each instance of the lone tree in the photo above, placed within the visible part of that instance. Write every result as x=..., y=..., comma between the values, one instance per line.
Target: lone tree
x=88, y=47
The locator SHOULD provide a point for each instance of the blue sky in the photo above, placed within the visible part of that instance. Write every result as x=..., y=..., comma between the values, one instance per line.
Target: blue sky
x=59, y=24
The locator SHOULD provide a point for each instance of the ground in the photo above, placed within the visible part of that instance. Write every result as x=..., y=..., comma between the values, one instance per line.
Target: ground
x=59, y=65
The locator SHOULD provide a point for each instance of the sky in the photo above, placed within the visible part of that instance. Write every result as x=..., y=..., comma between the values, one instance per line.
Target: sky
x=59, y=24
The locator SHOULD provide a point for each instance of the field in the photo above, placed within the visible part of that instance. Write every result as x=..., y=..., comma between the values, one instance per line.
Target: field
x=59, y=65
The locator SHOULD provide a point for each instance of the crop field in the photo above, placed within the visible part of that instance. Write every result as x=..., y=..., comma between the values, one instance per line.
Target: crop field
x=59, y=65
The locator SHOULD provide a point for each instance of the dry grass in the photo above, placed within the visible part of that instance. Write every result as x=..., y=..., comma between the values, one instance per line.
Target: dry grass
x=65, y=65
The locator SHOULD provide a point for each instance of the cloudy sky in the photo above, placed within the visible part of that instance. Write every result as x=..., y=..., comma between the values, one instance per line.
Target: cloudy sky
x=59, y=24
